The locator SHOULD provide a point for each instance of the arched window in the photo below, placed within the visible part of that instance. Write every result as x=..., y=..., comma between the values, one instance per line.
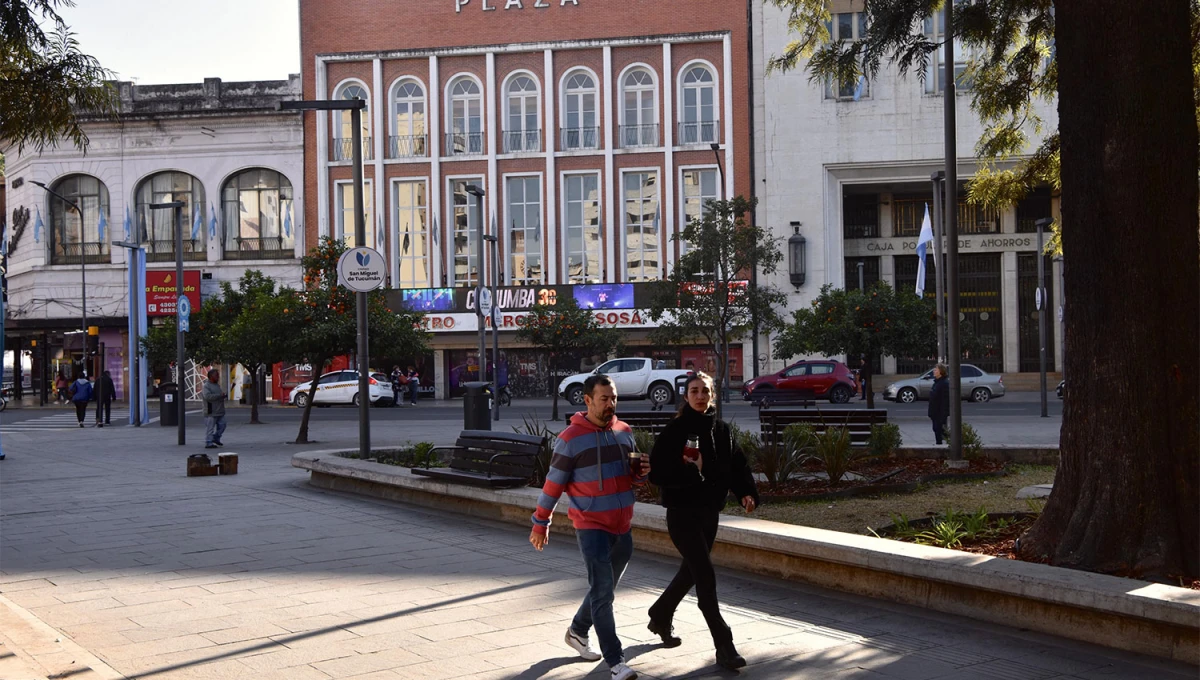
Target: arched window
x=156, y=228
x=464, y=114
x=258, y=221
x=580, y=124
x=343, y=131
x=72, y=235
x=409, y=134
x=521, y=129
x=639, y=109
x=698, y=110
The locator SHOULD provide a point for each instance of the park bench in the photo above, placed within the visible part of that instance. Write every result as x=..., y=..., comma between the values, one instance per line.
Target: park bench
x=772, y=422
x=765, y=399
x=486, y=458
x=650, y=421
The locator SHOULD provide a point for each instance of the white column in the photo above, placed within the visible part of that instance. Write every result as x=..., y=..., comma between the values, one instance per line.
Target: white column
x=493, y=182
x=379, y=130
x=1010, y=321
x=434, y=209
x=611, y=230
x=727, y=67
x=322, y=92
x=550, y=184
x=668, y=181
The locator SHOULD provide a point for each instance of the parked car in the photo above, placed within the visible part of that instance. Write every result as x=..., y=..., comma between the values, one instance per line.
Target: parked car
x=634, y=378
x=341, y=387
x=824, y=378
x=977, y=385
x=1061, y=389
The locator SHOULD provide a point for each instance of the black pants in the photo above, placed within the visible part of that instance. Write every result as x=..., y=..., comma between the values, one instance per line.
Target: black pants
x=104, y=411
x=939, y=430
x=80, y=409
x=693, y=532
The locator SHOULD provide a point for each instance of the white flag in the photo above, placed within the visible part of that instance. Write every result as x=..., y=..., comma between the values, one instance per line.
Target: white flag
x=923, y=242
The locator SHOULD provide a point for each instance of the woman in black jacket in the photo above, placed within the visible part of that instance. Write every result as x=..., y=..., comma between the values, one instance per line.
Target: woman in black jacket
x=694, y=493
x=939, y=402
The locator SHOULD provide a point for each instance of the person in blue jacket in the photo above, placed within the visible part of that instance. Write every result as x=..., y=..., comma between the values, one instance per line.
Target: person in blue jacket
x=939, y=402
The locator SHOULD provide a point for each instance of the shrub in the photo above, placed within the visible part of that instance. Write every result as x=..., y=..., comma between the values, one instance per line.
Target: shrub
x=778, y=461
x=972, y=444
x=748, y=442
x=833, y=450
x=885, y=439
x=531, y=425
x=944, y=534
x=422, y=455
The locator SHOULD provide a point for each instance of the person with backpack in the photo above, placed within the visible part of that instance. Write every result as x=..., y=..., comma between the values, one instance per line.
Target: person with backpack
x=106, y=394
x=81, y=393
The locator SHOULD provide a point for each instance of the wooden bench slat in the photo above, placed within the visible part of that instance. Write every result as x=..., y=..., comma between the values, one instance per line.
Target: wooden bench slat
x=471, y=478
x=498, y=446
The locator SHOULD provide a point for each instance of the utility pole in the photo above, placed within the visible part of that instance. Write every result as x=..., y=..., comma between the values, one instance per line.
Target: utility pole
x=954, y=339
x=939, y=267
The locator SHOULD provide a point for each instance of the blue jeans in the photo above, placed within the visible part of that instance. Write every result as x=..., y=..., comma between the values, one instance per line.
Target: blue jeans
x=214, y=427
x=606, y=556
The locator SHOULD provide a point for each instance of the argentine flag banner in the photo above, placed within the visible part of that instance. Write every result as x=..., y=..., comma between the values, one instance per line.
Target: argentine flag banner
x=923, y=242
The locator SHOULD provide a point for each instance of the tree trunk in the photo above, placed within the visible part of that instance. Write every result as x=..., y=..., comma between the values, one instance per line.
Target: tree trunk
x=722, y=369
x=1125, y=498
x=253, y=397
x=302, y=437
x=868, y=383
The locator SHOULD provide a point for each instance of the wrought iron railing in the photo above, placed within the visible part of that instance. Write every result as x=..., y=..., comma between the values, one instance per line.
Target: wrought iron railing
x=343, y=149
x=464, y=143
x=523, y=141
x=408, y=146
x=69, y=253
x=639, y=135
x=698, y=133
x=261, y=248
x=580, y=138
x=164, y=251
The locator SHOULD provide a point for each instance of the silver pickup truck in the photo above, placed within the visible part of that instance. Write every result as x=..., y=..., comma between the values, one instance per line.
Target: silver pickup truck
x=634, y=378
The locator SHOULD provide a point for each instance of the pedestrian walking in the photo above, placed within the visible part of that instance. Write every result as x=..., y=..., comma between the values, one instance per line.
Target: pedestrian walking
x=214, y=410
x=939, y=402
x=414, y=383
x=399, y=384
x=592, y=463
x=106, y=394
x=80, y=393
x=696, y=463
x=61, y=385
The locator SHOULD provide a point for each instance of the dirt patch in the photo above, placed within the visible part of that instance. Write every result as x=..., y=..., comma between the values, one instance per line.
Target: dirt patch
x=877, y=472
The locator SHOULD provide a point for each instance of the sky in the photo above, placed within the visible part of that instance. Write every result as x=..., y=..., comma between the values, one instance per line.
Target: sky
x=156, y=42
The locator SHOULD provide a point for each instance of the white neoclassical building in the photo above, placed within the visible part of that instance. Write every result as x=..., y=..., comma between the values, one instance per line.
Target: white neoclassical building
x=221, y=148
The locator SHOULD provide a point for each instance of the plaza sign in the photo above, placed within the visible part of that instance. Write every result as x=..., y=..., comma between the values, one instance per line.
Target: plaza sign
x=459, y=322
x=493, y=5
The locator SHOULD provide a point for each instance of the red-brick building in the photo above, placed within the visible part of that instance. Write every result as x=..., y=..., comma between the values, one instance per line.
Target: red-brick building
x=596, y=129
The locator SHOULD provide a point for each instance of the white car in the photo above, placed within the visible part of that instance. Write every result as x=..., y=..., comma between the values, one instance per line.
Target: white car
x=634, y=378
x=341, y=387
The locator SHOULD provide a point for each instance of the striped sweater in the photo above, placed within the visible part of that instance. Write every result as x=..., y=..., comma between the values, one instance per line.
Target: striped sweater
x=591, y=465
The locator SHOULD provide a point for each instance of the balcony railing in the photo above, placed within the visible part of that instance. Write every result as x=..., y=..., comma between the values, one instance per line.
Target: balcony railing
x=68, y=253
x=262, y=248
x=408, y=146
x=164, y=251
x=698, y=133
x=464, y=143
x=343, y=149
x=523, y=141
x=580, y=138
x=639, y=135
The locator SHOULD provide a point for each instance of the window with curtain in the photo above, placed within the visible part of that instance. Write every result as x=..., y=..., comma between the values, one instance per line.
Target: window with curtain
x=74, y=236
x=408, y=121
x=582, y=224
x=345, y=214
x=258, y=221
x=465, y=113
x=698, y=114
x=466, y=261
x=156, y=227
x=847, y=27
x=522, y=132
x=581, y=124
x=343, y=130
x=524, y=214
x=643, y=218
x=409, y=201
x=639, y=109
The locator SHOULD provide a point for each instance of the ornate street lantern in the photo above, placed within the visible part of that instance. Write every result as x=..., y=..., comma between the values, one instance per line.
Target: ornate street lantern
x=797, y=245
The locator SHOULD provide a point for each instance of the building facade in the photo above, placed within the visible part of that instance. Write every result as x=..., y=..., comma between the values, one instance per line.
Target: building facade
x=221, y=148
x=850, y=167
x=594, y=137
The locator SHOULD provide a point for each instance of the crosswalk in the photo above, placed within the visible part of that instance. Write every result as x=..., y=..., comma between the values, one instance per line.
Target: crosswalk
x=62, y=420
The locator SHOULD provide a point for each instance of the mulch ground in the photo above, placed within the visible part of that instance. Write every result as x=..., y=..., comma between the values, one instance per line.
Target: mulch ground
x=879, y=472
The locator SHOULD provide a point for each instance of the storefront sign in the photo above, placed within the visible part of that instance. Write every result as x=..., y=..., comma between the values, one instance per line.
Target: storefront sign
x=493, y=5
x=457, y=322
x=598, y=296
x=160, y=291
x=984, y=243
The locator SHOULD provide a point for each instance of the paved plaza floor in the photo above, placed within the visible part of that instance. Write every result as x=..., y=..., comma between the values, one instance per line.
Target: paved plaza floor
x=114, y=564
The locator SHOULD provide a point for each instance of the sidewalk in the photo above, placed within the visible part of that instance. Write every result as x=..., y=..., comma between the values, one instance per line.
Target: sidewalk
x=260, y=576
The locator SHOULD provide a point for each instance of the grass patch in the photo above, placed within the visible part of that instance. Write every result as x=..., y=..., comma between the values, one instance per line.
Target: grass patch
x=855, y=515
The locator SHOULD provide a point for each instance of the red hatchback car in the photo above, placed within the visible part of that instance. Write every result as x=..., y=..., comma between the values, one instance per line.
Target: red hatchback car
x=824, y=378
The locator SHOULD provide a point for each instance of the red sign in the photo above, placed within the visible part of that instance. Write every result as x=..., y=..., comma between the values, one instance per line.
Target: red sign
x=160, y=291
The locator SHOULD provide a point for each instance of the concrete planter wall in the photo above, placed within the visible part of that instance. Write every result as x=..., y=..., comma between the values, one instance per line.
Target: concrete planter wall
x=1149, y=618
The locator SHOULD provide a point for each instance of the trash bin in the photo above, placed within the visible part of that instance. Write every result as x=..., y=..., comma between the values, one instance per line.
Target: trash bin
x=168, y=410
x=477, y=406
x=681, y=385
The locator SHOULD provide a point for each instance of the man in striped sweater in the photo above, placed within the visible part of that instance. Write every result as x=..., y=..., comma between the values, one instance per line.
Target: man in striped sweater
x=591, y=464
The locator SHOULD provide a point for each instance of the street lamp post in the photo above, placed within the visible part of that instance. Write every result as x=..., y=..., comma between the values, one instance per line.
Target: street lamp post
x=939, y=270
x=479, y=193
x=82, y=271
x=1042, y=224
x=953, y=339
x=494, y=244
x=179, y=293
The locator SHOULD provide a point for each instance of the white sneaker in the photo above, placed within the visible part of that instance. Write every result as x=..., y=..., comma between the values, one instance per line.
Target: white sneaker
x=623, y=672
x=583, y=646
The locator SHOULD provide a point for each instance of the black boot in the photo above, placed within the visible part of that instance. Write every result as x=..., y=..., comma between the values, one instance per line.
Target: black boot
x=666, y=632
x=728, y=657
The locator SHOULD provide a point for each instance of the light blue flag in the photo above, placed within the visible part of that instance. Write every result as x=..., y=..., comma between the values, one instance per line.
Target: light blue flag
x=128, y=224
x=287, y=224
x=103, y=224
x=37, y=227
x=197, y=224
x=858, y=89
x=212, y=222
x=923, y=242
